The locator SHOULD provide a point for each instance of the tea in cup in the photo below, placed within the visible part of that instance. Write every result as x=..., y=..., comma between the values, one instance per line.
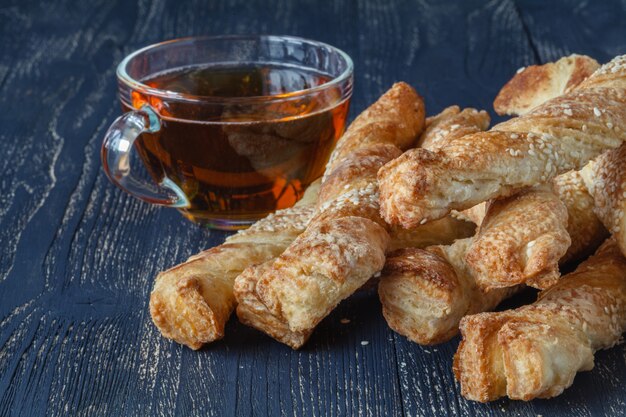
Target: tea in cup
x=229, y=128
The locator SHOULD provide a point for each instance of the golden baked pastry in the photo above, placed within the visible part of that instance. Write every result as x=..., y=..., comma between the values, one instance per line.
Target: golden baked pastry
x=425, y=293
x=562, y=134
x=288, y=271
x=450, y=124
x=525, y=243
x=191, y=302
x=535, y=351
x=583, y=226
x=536, y=84
x=606, y=179
x=396, y=118
x=345, y=243
x=520, y=241
x=532, y=87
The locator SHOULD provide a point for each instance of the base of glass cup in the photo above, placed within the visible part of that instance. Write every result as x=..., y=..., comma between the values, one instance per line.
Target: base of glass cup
x=220, y=223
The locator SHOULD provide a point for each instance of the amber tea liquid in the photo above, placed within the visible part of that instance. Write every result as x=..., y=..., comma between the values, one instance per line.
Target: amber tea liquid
x=234, y=164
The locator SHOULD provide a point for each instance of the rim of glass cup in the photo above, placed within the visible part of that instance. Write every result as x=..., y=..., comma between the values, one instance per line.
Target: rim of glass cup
x=123, y=75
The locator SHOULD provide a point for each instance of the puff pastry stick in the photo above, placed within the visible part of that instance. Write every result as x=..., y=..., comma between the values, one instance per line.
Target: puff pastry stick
x=520, y=241
x=562, y=134
x=382, y=123
x=345, y=243
x=532, y=87
x=191, y=302
x=585, y=228
x=424, y=293
x=452, y=123
x=536, y=84
x=536, y=350
x=525, y=244
x=606, y=179
x=439, y=232
x=253, y=312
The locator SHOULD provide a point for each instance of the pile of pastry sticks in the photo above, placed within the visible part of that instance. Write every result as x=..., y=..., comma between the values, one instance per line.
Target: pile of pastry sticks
x=449, y=218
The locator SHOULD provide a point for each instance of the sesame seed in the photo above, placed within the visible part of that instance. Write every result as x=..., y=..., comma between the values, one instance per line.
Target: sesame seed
x=596, y=112
x=344, y=321
x=567, y=112
x=364, y=343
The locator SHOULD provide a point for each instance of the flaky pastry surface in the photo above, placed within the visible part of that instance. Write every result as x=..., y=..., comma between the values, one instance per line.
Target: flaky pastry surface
x=345, y=243
x=425, y=293
x=191, y=302
x=561, y=134
x=535, y=351
x=536, y=84
x=520, y=241
x=606, y=179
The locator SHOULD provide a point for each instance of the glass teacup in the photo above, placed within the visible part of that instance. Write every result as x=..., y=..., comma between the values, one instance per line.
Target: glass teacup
x=229, y=128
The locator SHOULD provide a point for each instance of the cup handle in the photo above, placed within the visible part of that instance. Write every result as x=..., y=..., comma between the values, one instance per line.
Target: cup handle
x=116, y=148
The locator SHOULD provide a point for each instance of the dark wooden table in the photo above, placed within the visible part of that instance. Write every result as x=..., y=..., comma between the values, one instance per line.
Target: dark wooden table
x=78, y=256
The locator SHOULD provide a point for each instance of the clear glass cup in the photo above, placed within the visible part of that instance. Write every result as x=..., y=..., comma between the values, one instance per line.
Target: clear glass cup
x=223, y=158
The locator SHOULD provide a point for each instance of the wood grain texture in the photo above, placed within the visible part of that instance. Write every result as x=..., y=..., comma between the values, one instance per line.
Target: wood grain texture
x=78, y=255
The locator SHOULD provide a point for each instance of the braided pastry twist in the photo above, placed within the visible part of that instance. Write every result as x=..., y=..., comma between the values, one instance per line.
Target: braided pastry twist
x=536, y=350
x=425, y=293
x=345, y=243
x=606, y=179
x=191, y=302
x=562, y=134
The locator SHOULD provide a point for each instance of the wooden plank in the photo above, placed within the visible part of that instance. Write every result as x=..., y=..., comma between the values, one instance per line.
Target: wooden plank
x=79, y=255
